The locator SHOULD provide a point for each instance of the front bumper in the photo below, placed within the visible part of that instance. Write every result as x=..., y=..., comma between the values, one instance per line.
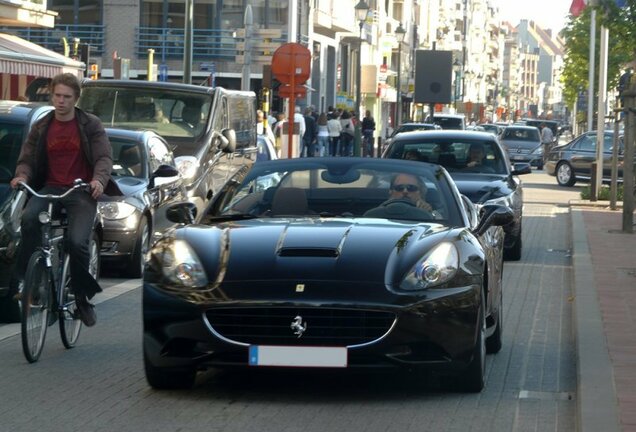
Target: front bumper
x=437, y=329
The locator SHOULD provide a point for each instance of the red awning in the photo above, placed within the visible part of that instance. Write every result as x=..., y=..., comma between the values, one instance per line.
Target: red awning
x=21, y=57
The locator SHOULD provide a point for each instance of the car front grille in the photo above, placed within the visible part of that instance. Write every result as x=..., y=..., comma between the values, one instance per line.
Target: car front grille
x=323, y=326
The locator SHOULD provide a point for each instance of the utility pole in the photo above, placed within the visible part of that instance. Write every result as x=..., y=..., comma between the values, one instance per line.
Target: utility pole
x=187, y=42
x=248, y=22
x=628, y=167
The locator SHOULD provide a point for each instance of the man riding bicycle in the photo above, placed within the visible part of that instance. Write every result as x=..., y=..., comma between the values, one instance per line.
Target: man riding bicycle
x=65, y=145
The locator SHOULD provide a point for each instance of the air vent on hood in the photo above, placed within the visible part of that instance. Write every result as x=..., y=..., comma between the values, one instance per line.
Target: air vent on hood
x=308, y=252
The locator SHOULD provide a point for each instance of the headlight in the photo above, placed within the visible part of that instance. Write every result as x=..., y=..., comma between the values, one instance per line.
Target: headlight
x=187, y=166
x=504, y=201
x=180, y=264
x=115, y=210
x=537, y=151
x=438, y=267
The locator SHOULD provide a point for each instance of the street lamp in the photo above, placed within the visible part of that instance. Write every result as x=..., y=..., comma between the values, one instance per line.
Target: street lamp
x=457, y=88
x=400, y=32
x=362, y=8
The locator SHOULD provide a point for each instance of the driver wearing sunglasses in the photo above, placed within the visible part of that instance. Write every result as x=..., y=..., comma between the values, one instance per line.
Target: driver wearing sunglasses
x=408, y=186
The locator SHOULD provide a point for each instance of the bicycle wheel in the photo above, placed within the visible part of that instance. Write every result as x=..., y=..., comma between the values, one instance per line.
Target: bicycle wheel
x=36, y=307
x=70, y=323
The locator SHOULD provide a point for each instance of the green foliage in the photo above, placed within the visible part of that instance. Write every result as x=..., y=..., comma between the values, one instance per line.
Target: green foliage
x=604, y=193
x=621, y=46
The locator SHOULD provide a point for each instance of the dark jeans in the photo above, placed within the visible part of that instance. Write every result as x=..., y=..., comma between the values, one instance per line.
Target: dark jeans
x=346, y=144
x=80, y=209
x=367, y=142
x=334, y=146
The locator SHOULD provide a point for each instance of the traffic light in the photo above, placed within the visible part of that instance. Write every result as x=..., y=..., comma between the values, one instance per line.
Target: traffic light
x=93, y=71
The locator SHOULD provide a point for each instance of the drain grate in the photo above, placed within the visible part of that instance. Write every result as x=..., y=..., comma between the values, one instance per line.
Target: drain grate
x=528, y=394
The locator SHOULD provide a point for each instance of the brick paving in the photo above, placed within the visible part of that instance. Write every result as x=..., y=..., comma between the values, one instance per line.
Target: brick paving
x=613, y=258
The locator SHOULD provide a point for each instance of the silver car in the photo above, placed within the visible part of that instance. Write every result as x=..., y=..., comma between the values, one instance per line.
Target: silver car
x=523, y=144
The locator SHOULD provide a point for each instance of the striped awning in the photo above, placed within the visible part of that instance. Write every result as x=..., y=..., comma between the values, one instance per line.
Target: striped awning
x=21, y=57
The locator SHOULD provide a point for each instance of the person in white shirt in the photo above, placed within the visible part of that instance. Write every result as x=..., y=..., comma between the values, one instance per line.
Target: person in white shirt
x=547, y=139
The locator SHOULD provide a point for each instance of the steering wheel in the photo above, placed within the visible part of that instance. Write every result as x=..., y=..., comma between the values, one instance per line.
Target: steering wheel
x=394, y=201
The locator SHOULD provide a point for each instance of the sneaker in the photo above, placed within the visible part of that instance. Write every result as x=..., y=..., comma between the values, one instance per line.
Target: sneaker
x=86, y=312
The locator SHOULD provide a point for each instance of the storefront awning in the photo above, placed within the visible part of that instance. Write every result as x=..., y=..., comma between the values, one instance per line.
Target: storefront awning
x=21, y=57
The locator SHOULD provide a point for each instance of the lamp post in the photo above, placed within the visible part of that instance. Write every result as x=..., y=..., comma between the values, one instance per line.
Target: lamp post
x=400, y=32
x=457, y=87
x=362, y=8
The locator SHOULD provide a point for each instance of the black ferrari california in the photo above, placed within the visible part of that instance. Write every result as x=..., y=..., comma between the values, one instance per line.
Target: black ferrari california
x=328, y=263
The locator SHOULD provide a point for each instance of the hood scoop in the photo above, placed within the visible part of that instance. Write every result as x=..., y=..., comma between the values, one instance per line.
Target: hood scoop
x=308, y=252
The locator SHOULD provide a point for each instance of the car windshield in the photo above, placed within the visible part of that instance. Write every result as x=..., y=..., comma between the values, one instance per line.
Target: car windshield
x=449, y=122
x=519, y=134
x=170, y=113
x=345, y=188
x=127, y=158
x=11, y=136
x=465, y=155
x=414, y=127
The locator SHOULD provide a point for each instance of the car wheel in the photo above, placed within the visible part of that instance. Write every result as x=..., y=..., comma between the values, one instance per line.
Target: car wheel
x=168, y=379
x=513, y=253
x=565, y=174
x=10, y=311
x=472, y=379
x=494, y=342
x=136, y=265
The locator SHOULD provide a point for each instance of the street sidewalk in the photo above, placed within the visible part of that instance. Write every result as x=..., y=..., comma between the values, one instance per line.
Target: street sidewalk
x=604, y=293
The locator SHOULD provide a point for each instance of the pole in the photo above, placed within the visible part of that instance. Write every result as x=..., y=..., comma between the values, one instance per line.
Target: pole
x=628, y=167
x=292, y=113
x=357, y=138
x=613, y=184
x=187, y=42
x=590, y=79
x=151, y=61
x=248, y=21
x=600, y=119
x=398, y=111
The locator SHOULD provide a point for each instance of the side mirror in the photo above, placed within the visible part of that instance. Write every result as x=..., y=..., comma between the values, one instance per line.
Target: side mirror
x=163, y=171
x=228, y=141
x=493, y=215
x=183, y=212
x=521, y=168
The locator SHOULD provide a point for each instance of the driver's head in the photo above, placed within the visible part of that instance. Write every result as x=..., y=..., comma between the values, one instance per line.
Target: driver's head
x=407, y=186
x=477, y=152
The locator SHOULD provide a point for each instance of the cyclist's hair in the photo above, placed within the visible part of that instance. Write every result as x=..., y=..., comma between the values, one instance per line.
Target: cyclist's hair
x=69, y=80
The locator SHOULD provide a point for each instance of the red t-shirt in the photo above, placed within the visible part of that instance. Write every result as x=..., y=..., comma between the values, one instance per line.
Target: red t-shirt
x=66, y=159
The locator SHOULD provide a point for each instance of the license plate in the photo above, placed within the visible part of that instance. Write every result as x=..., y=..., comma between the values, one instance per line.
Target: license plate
x=518, y=157
x=271, y=355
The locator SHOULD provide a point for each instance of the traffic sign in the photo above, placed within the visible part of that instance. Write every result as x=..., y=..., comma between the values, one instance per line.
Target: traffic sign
x=291, y=63
x=285, y=91
x=261, y=33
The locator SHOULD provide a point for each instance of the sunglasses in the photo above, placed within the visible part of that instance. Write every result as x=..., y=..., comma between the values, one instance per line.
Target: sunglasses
x=405, y=187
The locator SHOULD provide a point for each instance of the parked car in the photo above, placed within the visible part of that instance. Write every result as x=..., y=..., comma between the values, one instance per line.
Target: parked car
x=212, y=131
x=572, y=162
x=319, y=269
x=145, y=171
x=492, y=182
x=523, y=144
x=266, y=149
x=450, y=121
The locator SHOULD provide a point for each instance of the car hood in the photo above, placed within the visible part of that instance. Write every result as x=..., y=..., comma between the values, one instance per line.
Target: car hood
x=476, y=186
x=131, y=185
x=312, y=249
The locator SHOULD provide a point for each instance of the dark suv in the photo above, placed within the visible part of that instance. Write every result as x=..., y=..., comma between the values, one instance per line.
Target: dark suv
x=212, y=131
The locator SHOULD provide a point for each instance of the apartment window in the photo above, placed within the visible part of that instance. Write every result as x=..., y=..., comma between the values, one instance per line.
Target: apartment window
x=70, y=12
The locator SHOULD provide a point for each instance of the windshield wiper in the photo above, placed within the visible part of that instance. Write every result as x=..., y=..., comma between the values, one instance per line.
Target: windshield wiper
x=231, y=217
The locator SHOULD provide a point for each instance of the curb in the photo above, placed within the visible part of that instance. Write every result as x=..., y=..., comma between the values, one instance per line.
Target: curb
x=597, y=406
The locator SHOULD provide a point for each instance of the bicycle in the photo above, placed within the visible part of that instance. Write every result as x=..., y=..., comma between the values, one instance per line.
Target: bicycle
x=46, y=295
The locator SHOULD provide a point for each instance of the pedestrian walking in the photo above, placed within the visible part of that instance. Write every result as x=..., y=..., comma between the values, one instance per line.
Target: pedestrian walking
x=322, y=137
x=368, y=129
x=335, y=128
x=347, y=135
x=547, y=139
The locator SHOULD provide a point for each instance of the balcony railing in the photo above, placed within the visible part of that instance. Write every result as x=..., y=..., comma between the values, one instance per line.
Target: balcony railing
x=207, y=44
x=52, y=38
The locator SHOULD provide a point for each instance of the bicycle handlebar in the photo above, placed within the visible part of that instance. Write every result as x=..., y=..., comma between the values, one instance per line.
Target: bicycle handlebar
x=78, y=184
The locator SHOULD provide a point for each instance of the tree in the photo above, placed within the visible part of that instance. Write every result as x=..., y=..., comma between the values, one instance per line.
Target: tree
x=621, y=46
